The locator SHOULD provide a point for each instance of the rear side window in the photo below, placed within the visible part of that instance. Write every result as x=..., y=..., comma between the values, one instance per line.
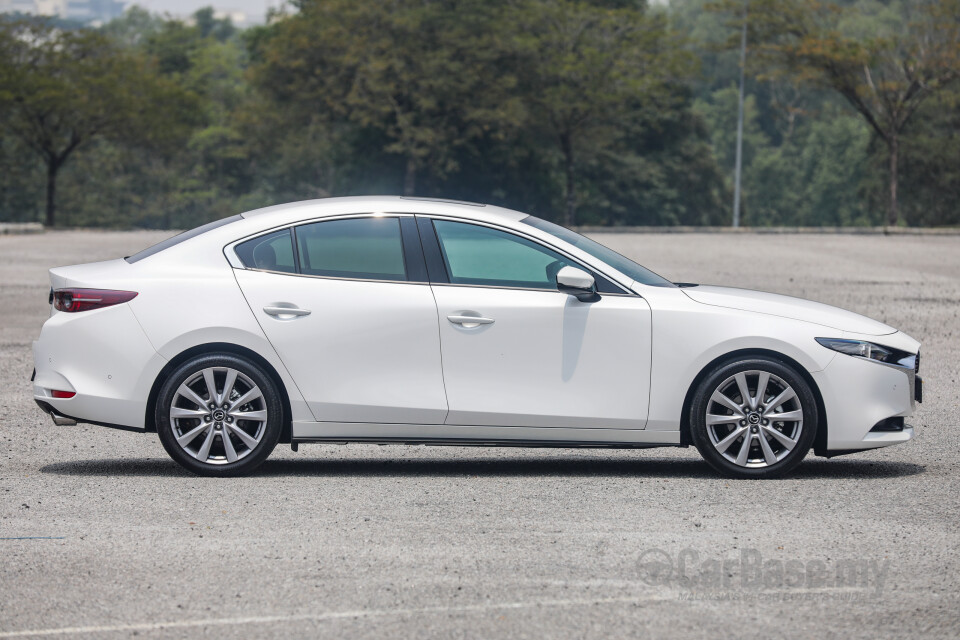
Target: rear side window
x=363, y=248
x=272, y=252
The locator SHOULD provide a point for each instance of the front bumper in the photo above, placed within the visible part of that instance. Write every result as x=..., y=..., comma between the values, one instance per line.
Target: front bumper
x=857, y=395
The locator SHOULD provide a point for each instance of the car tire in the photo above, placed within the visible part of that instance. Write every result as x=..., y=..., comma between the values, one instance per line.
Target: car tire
x=735, y=425
x=219, y=415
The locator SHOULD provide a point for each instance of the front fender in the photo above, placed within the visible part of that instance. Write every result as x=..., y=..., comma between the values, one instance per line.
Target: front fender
x=688, y=336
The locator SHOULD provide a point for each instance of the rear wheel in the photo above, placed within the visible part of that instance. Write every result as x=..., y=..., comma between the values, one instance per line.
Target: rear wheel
x=753, y=418
x=219, y=415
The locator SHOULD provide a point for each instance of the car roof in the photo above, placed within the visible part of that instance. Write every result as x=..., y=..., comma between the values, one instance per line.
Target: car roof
x=258, y=221
x=324, y=207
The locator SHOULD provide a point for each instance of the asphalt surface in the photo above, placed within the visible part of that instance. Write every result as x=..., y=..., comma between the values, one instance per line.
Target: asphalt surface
x=104, y=536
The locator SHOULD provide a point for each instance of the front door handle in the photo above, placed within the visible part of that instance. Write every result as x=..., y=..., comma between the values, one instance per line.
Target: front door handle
x=285, y=313
x=469, y=322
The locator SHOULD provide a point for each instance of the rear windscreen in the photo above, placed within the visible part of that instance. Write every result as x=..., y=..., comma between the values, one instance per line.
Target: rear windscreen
x=180, y=237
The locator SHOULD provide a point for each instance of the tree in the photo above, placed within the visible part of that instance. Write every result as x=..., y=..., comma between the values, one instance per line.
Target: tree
x=586, y=70
x=133, y=27
x=61, y=90
x=931, y=162
x=886, y=78
x=221, y=29
x=421, y=73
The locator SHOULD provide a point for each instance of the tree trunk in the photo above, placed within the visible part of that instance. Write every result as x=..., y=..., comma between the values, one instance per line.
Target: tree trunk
x=566, y=145
x=52, y=167
x=410, y=179
x=893, y=214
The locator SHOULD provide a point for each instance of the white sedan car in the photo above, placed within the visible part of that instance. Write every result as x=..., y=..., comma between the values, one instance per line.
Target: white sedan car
x=409, y=320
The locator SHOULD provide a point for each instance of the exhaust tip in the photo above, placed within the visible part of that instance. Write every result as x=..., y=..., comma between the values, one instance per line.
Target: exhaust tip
x=60, y=421
x=63, y=421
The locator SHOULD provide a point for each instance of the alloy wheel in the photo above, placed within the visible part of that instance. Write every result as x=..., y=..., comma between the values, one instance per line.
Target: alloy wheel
x=754, y=419
x=218, y=415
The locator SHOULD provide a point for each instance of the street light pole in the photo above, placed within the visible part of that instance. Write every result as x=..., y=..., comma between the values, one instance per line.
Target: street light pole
x=739, y=167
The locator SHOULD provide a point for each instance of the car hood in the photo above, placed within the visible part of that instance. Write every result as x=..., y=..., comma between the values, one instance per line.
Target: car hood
x=787, y=307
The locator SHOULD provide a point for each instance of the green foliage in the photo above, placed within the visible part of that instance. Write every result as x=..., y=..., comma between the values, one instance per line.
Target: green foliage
x=587, y=76
x=518, y=102
x=884, y=68
x=584, y=111
x=411, y=76
x=931, y=163
x=60, y=90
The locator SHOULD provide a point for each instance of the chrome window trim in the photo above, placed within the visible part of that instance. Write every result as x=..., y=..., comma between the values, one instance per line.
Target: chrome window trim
x=236, y=263
x=425, y=284
x=310, y=275
x=230, y=253
x=496, y=286
x=433, y=284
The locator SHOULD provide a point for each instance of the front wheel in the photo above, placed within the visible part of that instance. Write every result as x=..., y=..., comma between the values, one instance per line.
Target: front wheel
x=753, y=418
x=219, y=415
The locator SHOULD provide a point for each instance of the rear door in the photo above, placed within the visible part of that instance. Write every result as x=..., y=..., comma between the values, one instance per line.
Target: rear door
x=347, y=306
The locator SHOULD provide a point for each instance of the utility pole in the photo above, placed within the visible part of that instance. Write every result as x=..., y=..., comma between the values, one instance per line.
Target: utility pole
x=739, y=167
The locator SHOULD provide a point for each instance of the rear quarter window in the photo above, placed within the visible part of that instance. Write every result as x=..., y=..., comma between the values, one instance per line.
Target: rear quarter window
x=271, y=252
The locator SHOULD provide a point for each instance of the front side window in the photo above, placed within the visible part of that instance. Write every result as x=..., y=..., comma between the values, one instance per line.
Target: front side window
x=484, y=256
x=272, y=252
x=364, y=248
x=620, y=263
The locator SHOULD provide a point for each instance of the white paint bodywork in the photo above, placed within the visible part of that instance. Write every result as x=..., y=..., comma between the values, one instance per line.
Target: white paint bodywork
x=367, y=352
x=381, y=360
x=546, y=360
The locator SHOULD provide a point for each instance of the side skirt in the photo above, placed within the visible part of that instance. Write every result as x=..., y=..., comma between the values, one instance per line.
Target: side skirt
x=464, y=435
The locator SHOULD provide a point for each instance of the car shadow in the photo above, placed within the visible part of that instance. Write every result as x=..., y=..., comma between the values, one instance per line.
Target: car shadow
x=488, y=467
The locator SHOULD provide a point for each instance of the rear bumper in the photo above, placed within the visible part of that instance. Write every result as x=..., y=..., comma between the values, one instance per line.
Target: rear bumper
x=105, y=358
x=62, y=420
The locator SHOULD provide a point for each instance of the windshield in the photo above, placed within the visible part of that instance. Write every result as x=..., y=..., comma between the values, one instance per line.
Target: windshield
x=624, y=265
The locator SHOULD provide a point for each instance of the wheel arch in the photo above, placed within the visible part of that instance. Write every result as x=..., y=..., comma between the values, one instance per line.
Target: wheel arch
x=820, y=440
x=219, y=347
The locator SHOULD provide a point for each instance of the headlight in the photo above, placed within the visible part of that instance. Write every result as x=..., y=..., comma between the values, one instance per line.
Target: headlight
x=871, y=351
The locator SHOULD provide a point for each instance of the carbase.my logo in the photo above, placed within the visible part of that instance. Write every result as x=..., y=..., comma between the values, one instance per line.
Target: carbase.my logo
x=748, y=570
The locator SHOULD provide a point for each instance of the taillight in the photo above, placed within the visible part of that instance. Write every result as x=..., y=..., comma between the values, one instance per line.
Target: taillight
x=62, y=394
x=76, y=300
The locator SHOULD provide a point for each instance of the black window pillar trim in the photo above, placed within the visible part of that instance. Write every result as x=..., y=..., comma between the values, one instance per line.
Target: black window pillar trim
x=431, y=250
x=296, y=249
x=413, y=251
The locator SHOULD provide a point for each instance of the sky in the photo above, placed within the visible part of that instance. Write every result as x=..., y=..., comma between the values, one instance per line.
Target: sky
x=255, y=9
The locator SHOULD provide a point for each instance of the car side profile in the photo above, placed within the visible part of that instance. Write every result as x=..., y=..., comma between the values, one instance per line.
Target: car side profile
x=410, y=320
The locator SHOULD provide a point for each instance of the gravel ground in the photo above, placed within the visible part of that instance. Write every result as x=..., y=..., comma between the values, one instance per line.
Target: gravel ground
x=465, y=542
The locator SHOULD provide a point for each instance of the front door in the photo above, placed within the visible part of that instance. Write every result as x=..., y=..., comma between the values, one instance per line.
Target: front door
x=534, y=357
x=358, y=337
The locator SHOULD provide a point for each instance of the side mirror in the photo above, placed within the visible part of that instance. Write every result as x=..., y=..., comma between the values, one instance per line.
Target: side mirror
x=577, y=282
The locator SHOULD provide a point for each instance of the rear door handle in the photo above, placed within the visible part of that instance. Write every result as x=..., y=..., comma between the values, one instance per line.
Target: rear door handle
x=285, y=313
x=469, y=321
